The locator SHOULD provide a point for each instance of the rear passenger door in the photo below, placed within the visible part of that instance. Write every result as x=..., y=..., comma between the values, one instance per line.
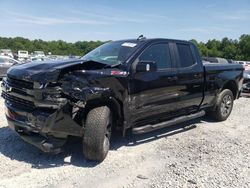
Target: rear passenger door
x=190, y=77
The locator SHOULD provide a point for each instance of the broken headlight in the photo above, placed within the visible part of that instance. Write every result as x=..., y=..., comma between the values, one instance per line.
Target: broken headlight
x=51, y=96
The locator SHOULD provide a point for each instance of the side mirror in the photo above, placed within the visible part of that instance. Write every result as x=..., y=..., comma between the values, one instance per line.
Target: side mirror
x=146, y=66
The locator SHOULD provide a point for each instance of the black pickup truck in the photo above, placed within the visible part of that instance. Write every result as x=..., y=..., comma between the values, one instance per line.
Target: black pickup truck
x=141, y=84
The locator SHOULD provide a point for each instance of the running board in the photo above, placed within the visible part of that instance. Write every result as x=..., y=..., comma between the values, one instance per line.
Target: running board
x=148, y=128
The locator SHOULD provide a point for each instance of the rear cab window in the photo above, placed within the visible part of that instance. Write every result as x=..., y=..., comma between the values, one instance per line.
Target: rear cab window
x=185, y=54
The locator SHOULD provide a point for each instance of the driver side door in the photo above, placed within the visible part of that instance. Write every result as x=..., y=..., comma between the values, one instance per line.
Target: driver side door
x=153, y=94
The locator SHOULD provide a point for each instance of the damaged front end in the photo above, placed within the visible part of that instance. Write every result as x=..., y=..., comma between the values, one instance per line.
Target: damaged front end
x=41, y=114
x=46, y=113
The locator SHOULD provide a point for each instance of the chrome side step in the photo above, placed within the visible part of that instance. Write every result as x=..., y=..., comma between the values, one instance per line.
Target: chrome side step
x=148, y=128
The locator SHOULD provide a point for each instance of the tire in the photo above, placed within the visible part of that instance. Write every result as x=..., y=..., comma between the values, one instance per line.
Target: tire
x=97, y=133
x=224, y=105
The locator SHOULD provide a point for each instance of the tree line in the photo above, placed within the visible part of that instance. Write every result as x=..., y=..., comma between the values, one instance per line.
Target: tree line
x=58, y=47
x=226, y=48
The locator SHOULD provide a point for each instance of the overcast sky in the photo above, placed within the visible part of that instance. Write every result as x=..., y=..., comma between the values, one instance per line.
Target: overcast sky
x=73, y=20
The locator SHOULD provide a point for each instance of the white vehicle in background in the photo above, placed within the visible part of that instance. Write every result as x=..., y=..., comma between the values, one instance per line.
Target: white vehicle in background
x=38, y=59
x=5, y=63
x=39, y=54
x=246, y=64
x=6, y=52
x=22, y=55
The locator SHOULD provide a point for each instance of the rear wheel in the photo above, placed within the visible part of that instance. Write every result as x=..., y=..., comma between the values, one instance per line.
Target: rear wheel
x=223, y=106
x=97, y=133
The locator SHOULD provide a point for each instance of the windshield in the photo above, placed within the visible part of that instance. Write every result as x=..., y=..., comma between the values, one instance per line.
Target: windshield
x=112, y=53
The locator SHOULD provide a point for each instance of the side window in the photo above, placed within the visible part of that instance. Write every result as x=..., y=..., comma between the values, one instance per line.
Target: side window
x=185, y=55
x=159, y=53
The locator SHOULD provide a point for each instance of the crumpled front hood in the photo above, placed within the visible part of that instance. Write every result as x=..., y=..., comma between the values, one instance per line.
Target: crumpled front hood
x=49, y=71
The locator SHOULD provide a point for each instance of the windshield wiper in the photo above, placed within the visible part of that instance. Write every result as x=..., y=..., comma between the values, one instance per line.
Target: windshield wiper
x=116, y=64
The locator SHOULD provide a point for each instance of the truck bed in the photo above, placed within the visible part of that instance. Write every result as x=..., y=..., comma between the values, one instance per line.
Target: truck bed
x=222, y=66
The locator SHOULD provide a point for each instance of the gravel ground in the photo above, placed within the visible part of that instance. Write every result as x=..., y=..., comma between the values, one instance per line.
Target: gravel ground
x=200, y=153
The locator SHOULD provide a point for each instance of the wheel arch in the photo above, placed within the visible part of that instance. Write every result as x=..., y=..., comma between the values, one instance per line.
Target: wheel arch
x=232, y=86
x=111, y=102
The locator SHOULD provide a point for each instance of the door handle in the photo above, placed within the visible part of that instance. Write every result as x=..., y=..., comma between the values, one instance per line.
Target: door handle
x=172, y=78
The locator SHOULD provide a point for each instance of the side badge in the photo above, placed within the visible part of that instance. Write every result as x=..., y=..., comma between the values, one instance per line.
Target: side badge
x=147, y=67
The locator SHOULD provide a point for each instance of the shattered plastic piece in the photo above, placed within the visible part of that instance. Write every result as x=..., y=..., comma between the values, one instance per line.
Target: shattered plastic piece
x=142, y=177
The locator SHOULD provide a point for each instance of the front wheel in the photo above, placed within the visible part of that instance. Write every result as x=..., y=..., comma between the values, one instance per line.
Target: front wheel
x=97, y=133
x=223, y=106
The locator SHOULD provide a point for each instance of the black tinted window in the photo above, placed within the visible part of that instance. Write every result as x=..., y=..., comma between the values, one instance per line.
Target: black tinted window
x=159, y=53
x=185, y=55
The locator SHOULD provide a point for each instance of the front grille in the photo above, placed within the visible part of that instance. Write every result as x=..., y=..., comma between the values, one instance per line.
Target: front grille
x=15, y=101
x=16, y=83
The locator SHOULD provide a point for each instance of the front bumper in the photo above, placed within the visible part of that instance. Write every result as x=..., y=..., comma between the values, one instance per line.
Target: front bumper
x=47, y=144
x=46, y=131
x=58, y=123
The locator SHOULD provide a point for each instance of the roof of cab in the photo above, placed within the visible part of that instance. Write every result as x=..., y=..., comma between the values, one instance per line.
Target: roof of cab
x=150, y=40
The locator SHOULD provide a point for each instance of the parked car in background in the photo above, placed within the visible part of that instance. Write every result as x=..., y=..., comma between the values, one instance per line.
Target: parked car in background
x=22, y=55
x=246, y=83
x=39, y=54
x=5, y=63
x=231, y=61
x=37, y=59
x=245, y=64
x=6, y=52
